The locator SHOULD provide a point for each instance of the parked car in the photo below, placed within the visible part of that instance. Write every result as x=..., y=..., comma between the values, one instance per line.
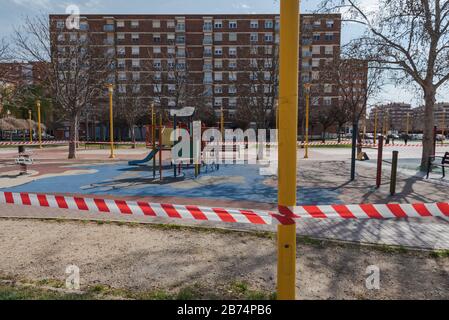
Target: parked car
x=440, y=137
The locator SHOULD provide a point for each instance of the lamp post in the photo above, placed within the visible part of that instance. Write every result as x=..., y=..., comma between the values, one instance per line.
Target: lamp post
x=222, y=122
x=39, y=132
x=307, y=87
x=111, y=119
x=30, y=125
x=375, y=127
x=408, y=123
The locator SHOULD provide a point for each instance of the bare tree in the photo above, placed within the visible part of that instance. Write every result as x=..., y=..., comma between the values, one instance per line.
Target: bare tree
x=356, y=82
x=130, y=105
x=325, y=117
x=172, y=85
x=258, y=96
x=73, y=69
x=410, y=39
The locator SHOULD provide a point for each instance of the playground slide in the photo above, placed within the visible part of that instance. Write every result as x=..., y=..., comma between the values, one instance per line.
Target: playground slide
x=149, y=157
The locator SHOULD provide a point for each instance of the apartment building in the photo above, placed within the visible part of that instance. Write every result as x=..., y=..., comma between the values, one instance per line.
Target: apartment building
x=21, y=73
x=441, y=116
x=393, y=117
x=212, y=49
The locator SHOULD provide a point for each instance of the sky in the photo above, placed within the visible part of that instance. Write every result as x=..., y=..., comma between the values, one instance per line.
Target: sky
x=13, y=11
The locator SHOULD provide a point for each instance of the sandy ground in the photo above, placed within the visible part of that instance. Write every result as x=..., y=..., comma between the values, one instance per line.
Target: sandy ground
x=143, y=258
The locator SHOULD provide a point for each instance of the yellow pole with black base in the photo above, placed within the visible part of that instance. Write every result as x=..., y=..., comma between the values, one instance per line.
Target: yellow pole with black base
x=111, y=120
x=39, y=130
x=288, y=128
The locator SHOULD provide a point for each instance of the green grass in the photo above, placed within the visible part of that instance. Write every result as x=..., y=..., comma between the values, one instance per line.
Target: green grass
x=440, y=254
x=12, y=292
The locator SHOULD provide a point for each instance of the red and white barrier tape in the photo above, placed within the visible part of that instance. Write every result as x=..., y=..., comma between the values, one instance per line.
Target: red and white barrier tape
x=286, y=215
x=33, y=143
x=137, y=208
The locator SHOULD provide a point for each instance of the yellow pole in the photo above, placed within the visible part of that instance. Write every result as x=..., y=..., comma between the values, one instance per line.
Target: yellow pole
x=30, y=125
x=288, y=128
x=153, y=127
x=307, y=87
x=39, y=123
x=111, y=120
x=375, y=127
x=443, y=124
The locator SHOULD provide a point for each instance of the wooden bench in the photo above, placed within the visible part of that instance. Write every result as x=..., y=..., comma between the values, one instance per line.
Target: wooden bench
x=444, y=163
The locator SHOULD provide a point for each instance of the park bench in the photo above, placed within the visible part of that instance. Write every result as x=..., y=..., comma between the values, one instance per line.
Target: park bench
x=443, y=164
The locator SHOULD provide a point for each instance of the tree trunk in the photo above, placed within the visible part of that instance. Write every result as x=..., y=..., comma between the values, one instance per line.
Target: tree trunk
x=355, y=130
x=73, y=137
x=339, y=133
x=323, y=136
x=133, y=137
x=429, y=122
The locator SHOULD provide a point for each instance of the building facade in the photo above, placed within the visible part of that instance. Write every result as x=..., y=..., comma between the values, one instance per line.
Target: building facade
x=219, y=53
x=394, y=117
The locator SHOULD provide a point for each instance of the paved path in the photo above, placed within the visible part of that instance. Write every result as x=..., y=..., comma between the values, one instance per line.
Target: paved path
x=318, y=181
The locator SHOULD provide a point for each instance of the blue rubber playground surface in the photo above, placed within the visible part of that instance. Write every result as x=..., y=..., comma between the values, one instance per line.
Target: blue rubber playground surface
x=230, y=182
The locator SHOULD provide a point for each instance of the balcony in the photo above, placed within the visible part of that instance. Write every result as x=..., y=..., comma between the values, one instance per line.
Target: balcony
x=207, y=54
x=180, y=40
x=207, y=41
x=180, y=28
x=306, y=42
x=207, y=28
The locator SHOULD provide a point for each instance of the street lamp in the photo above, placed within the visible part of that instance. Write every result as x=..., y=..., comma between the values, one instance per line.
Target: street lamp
x=39, y=132
x=111, y=119
x=307, y=87
x=30, y=125
x=375, y=126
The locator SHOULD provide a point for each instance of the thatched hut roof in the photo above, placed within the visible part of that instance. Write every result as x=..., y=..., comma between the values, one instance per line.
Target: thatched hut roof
x=5, y=125
x=11, y=123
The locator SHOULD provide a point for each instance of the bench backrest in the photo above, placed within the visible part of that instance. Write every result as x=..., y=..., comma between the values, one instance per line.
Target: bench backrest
x=445, y=159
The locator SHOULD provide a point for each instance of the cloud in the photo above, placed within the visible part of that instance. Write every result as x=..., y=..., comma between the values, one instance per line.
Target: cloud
x=241, y=6
x=44, y=4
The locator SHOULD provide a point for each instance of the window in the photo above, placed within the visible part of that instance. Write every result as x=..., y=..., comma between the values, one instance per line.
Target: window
x=120, y=24
x=267, y=88
x=157, y=64
x=84, y=26
x=208, y=77
x=181, y=26
x=233, y=52
x=267, y=76
x=218, y=37
x=171, y=88
x=156, y=38
x=134, y=24
x=171, y=75
x=121, y=64
x=268, y=63
x=268, y=50
x=218, y=102
x=136, y=88
x=317, y=23
x=329, y=50
x=232, y=102
x=254, y=24
x=254, y=37
x=207, y=39
x=122, y=76
x=315, y=62
x=180, y=39
x=328, y=88
x=316, y=50
x=316, y=37
x=218, y=24
x=136, y=63
x=120, y=36
x=171, y=50
x=61, y=37
x=156, y=49
x=156, y=24
x=218, y=89
x=181, y=65
x=207, y=65
x=268, y=37
x=218, y=51
x=254, y=63
x=329, y=23
x=232, y=89
x=207, y=26
x=218, y=76
x=218, y=63
x=327, y=101
x=253, y=76
x=73, y=37
x=181, y=52
x=233, y=76
x=232, y=64
x=207, y=51
x=60, y=24
x=136, y=76
x=171, y=37
x=171, y=63
x=135, y=51
x=268, y=24
x=329, y=36
x=170, y=24
x=135, y=37
x=122, y=88
x=121, y=51
x=233, y=36
x=157, y=88
x=232, y=24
